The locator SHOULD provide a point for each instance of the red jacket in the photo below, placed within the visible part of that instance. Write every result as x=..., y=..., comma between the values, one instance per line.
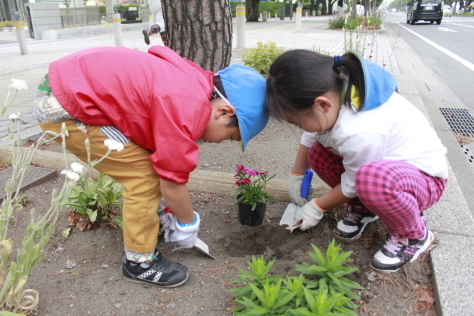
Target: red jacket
x=157, y=99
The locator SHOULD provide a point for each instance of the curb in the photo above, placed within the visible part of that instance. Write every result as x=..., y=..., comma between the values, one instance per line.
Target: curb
x=199, y=181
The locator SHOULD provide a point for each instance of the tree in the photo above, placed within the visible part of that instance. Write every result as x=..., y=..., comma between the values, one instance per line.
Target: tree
x=200, y=30
x=251, y=10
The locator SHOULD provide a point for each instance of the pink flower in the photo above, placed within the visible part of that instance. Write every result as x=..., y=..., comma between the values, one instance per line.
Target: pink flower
x=239, y=167
x=252, y=173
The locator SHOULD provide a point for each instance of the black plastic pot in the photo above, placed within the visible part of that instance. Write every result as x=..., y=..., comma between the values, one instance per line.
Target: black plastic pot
x=251, y=218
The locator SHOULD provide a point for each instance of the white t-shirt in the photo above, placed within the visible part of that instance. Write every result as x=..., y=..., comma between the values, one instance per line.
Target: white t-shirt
x=396, y=130
x=360, y=9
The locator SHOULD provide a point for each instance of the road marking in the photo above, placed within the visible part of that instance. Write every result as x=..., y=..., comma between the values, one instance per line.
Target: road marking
x=463, y=25
x=444, y=29
x=442, y=49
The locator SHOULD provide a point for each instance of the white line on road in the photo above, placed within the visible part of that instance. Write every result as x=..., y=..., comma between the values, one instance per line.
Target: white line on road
x=462, y=25
x=442, y=49
x=445, y=29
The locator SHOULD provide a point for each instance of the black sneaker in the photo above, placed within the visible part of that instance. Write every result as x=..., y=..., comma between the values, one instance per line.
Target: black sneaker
x=354, y=222
x=146, y=37
x=398, y=251
x=161, y=272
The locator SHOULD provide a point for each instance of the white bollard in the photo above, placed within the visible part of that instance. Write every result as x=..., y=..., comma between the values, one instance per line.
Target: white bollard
x=20, y=33
x=298, y=19
x=240, y=17
x=117, y=29
x=151, y=20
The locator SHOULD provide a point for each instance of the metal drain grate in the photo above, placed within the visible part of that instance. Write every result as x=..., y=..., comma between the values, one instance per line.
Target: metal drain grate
x=460, y=121
x=34, y=176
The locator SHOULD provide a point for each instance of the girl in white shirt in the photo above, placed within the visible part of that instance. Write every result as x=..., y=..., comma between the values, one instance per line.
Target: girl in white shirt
x=374, y=148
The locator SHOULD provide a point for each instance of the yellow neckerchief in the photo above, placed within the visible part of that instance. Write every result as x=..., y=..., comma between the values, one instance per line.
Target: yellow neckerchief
x=355, y=97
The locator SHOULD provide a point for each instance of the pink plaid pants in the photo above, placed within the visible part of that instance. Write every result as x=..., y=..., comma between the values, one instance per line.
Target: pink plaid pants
x=397, y=192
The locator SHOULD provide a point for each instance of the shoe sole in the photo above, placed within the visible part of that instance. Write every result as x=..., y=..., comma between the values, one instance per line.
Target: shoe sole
x=146, y=37
x=155, y=284
x=360, y=232
x=427, y=244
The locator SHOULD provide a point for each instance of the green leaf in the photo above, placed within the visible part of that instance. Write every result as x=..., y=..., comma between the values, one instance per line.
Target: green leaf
x=92, y=215
x=317, y=256
x=65, y=233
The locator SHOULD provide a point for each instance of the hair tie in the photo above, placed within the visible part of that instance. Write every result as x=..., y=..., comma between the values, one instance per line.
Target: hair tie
x=337, y=61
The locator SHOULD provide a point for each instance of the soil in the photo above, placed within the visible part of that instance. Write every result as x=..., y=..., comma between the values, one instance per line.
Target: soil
x=81, y=274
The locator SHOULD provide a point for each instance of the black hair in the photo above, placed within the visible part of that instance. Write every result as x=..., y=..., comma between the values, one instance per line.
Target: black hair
x=219, y=86
x=297, y=77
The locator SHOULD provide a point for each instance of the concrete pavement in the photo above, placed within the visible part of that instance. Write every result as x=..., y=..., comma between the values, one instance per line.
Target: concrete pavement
x=450, y=219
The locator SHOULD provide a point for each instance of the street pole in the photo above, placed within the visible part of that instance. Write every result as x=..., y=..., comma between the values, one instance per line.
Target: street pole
x=240, y=17
x=20, y=34
x=117, y=23
x=298, y=18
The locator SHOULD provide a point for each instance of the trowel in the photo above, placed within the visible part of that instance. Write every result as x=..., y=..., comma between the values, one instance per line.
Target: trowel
x=288, y=217
x=203, y=247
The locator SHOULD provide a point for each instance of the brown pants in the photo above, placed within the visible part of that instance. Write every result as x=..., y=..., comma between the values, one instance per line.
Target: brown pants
x=131, y=168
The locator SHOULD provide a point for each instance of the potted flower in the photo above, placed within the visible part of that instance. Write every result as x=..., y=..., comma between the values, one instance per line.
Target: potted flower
x=252, y=196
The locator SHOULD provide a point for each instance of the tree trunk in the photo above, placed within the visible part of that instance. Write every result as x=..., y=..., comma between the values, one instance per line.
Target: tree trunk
x=251, y=10
x=200, y=30
x=331, y=4
x=324, y=8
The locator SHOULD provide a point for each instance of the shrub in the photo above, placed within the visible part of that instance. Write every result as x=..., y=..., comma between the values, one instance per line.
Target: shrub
x=273, y=7
x=340, y=22
x=6, y=24
x=373, y=22
x=352, y=24
x=336, y=23
x=261, y=57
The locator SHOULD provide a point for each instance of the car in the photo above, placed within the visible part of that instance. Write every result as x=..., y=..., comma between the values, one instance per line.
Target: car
x=447, y=10
x=424, y=10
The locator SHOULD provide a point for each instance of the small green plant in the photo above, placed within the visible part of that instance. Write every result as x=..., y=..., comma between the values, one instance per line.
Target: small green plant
x=265, y=294
x=331, y=272
x=261, y=57
x=258, y=274
x=94, y=200
x=270, y=300
x=322, y=303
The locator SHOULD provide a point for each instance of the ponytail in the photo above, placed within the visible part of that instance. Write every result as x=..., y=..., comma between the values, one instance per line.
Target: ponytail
x=349, y=68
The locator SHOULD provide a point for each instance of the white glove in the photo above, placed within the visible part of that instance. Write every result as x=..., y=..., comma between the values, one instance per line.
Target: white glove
x=310, y=214
x=167, y=220
x=294, y=189
x=184, y=234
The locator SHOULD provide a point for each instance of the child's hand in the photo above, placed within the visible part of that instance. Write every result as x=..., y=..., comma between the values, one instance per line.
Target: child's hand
x=309, y=214
x=294, y=189
x=184, y=234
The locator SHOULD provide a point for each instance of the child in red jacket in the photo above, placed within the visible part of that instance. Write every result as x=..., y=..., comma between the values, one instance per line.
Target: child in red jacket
x=157, y=105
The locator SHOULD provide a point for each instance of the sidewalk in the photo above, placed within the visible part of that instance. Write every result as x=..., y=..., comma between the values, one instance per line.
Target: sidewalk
x=451, y=259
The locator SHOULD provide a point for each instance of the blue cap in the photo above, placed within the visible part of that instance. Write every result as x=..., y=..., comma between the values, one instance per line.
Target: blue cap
x=379, y=83
x=245, y=90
